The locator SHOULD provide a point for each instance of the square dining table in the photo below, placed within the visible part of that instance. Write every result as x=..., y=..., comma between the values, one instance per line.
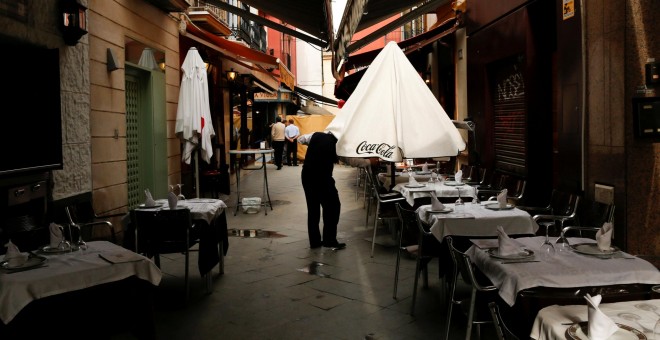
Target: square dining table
x=75, y=290
x=476, y=220
x=209, y=215
x=636, y=318
x=527, y=285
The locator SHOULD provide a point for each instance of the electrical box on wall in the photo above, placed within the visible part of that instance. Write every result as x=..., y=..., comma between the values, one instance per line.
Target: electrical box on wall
x=652, y=71
x=646, y=116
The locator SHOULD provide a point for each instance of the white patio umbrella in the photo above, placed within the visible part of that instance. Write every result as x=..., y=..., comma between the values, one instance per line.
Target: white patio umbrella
x=392, y=114
x=193, y=115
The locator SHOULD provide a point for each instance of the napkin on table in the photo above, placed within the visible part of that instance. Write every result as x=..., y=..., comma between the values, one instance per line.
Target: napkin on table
x=14, y=256
x=501, y=198
x=507, y=246
x=425, y=167
x=436, y=205
x=604, y=236
x=56, y=236
x=600, y=326
x=172, y=200
x=149, y=202
x=412, y=180
x=458, y=176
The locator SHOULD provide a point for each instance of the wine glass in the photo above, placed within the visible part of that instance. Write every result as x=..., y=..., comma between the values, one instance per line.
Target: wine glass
x=181, y=197
x=458, y=205
x=547, y=249
x=64, y=244
x=81, y=244
x=563, y=247
x=475, y=200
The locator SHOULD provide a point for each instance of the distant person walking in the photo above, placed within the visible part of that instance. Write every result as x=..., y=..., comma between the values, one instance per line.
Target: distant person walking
x=277, y=137
x=291, y=132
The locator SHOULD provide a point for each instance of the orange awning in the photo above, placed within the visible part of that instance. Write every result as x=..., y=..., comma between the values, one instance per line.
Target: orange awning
x=240, y=52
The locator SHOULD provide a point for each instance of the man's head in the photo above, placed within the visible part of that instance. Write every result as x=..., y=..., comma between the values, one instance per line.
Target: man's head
x=278, y=119
x=290, y=121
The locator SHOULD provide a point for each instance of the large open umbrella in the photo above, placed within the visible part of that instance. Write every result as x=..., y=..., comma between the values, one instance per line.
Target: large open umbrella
x=392, y=114
x=193, y=115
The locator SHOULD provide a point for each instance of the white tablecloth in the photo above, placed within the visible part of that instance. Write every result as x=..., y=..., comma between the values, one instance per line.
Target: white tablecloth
x=476, y=220
x=553, y=321
x=440, y=189
x=564, y=270
x=200, y=208
x=69, y=272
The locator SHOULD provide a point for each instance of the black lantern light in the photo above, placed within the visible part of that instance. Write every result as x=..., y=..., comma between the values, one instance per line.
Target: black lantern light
x=74, y=21
x=231, y=75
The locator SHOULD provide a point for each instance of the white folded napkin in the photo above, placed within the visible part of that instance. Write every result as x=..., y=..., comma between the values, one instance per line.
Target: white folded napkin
x=458, y=176
x=501, y=198
x=172, y=200
x=149, y=202
x=56, y=236
x=600, y=326
x=436, y=205
x=14, y=256
x=604, y=236
x=412, y=180
x=507, y=246
x=425, y=167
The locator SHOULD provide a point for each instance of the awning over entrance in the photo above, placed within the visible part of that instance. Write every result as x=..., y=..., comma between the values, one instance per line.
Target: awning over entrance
x=312, y=19
x=411, y=47
x=313, y=96
x=408, y=46
x=361, y=14
x=241, y=58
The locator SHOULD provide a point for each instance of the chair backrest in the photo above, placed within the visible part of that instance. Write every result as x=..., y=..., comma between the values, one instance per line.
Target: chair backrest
x=591, y=213
x=563, y=203
x=464, y=265
x=172, y=231
x=503, y=332
x=408, y=218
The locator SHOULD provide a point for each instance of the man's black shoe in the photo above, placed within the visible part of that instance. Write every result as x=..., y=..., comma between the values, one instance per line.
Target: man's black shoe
x=335, y=246
x=279, y=168
x=315, y=246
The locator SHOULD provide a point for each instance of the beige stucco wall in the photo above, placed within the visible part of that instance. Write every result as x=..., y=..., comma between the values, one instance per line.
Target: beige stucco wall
x=110, y=23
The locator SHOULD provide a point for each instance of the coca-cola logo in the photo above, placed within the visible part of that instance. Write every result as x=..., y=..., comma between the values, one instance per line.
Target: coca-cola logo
x=382, y=149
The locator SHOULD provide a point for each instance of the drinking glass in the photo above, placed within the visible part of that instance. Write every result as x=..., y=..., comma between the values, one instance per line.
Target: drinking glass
x=475, y=200
x=547, y=249
x=64, y=244
x=563, y=247
x=458, y=205
x=181, y=197
x=81, y=244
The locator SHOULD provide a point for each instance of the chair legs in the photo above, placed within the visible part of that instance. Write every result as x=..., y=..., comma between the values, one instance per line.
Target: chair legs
x=373, y=238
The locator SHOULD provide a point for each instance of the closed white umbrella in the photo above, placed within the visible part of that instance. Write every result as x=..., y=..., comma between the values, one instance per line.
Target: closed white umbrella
x=392, y=114
x=193, y=115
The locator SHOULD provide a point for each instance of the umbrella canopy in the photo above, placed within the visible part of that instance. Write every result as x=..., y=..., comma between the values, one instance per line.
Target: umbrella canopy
x=392, y=114
x=193, y=115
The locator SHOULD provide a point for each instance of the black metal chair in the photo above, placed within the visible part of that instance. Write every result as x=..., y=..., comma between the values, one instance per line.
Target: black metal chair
x=590, y=217
x=166, y=232
x=385, y=209
x=481, y=290
x=503, y=332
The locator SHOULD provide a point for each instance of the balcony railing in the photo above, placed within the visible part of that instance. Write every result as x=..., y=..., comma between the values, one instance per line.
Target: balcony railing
x=251, y=33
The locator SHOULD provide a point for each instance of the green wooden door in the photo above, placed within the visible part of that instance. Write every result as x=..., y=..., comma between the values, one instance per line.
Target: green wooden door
x=146, y=135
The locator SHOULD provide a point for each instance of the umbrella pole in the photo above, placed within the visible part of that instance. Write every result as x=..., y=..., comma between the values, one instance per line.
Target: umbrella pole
x=392, y=175
x=196, y=156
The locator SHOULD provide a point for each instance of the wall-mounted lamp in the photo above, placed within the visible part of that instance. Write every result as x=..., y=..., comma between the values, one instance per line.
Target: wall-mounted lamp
x=162, y=65
x=74, y=21
x=231, y=75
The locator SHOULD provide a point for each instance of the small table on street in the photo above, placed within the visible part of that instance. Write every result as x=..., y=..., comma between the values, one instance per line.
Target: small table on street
x=265, y=193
